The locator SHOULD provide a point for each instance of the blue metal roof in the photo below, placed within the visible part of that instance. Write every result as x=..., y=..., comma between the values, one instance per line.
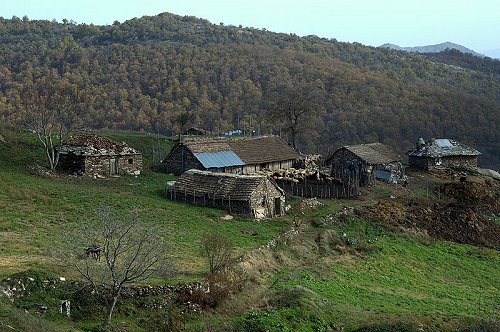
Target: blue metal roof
x=218, y=159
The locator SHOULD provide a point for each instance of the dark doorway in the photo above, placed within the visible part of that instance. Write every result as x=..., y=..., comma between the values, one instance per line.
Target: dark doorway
x=277, y=206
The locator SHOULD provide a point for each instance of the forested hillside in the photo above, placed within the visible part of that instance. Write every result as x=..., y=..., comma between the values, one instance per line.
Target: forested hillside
x=144, y=73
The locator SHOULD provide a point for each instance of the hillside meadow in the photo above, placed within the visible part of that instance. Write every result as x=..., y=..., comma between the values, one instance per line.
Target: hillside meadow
x=33, y=206
x=350, y=275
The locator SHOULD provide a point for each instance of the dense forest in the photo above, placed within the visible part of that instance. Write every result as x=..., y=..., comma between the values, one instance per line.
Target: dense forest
x=144, y=73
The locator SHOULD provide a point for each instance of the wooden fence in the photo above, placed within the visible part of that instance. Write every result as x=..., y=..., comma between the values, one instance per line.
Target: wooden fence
x=349, y=187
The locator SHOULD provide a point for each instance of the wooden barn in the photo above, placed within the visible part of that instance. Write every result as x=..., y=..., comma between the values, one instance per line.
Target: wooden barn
x=363, y=162
x=231, y=155
x=97, y=156
x=253, y=195
x=441, y=152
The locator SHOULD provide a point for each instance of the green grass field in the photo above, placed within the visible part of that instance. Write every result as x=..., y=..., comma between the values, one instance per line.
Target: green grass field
x=396, y=283
x=381, y=282
x=33, y=207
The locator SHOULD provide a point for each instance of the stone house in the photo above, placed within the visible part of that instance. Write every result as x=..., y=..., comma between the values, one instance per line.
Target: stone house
x=253, y=195
x=362, y=163
x=244, y=155
x=441, y=152
x=97, y=156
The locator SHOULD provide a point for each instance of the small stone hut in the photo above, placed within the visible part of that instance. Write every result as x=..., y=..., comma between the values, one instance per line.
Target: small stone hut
x=253, y=195
x=441, y=152
x=362, y=163
x=231, y=155
x=97, y=156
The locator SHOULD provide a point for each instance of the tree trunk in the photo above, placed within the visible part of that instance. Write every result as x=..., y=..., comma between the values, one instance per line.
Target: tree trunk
x=109, y=313
x=293, y=139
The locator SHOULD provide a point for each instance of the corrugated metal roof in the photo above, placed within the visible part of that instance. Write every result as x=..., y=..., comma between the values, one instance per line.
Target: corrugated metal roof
x=218, y=159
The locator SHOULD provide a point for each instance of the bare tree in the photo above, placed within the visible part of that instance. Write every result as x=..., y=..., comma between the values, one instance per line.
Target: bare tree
x=182, y=120
x=296, y=111
x=218, y=249
x=112, y=251
x=52, y=111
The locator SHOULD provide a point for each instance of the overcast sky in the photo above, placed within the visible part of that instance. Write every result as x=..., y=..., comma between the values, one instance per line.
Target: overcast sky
x=472, y=23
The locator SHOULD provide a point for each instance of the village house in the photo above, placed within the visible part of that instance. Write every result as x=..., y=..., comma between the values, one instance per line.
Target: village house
x=231, y=155
x=253, y=195
x=97, y=156
x=194, y=131
x=363, y=162
x=441, y=152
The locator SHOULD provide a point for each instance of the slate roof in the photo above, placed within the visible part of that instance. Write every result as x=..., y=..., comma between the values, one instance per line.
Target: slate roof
x=374, y=153
x=93, y=145
x=443, y=147
x=240, y=151
x=222, y=185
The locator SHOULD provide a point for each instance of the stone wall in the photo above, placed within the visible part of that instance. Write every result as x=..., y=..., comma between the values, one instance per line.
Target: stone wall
x=262, y=201
x=430, y=163
x=130, y=165
x=101, y=166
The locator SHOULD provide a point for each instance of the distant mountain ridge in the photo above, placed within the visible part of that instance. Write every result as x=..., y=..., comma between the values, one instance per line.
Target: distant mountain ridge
x=432, y=48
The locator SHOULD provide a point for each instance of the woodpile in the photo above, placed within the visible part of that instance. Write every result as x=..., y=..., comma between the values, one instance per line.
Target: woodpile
x=309, y=169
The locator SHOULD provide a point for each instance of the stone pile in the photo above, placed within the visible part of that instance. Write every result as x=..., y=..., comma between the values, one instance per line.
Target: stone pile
x=334, y=217
x=310, y=204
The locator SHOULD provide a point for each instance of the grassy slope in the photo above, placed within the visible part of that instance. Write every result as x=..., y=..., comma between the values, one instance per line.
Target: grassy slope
x=436, y=285
x=33, y=206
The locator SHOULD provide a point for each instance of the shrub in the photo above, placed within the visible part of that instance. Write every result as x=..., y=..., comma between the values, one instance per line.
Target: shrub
x=217, y=288
x=286, y=298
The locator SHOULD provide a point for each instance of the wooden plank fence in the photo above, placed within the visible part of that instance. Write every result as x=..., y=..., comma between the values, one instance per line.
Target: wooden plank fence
x=344, y=185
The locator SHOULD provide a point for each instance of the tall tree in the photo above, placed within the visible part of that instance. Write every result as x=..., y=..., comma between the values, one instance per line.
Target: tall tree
x=296, y=112
x=183, y=119
x=52, y=110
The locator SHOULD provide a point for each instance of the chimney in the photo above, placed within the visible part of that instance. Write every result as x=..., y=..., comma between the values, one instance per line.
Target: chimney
x=420, y=143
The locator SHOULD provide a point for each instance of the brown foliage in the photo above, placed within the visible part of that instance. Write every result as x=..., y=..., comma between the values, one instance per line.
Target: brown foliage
x=218, y=249
x=213, y=291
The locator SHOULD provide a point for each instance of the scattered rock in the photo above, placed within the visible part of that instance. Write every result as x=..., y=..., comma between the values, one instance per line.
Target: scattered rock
x=227, y=217
x=310, y=204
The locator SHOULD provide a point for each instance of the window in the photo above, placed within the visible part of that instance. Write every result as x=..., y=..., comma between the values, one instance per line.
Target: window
x=130, y=161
